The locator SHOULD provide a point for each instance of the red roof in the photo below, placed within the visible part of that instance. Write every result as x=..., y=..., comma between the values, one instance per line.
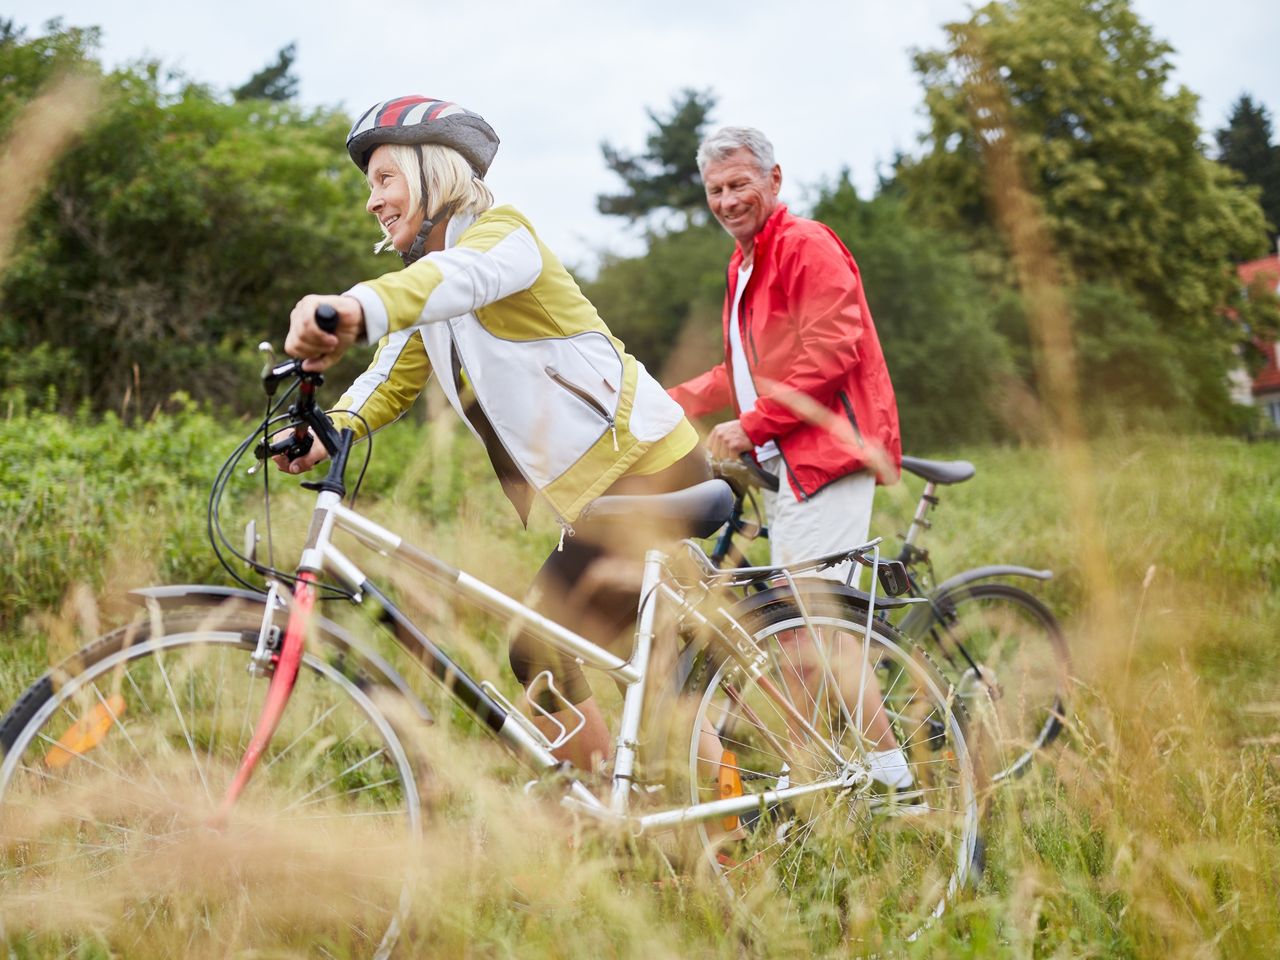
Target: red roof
x=1255, y=269
x=1268, y=377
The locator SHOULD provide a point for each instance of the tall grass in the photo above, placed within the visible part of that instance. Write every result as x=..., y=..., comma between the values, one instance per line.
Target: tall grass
x=1152, y=829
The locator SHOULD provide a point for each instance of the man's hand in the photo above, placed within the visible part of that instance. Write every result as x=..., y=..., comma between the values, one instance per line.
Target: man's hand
x=321, y=350
x=727, y=440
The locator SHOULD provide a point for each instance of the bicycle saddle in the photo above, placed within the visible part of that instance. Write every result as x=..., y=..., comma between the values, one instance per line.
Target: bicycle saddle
x=939, y=471
x=697, y=511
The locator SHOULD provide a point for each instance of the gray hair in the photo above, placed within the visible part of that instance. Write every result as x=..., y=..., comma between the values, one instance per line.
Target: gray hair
x=727, y=140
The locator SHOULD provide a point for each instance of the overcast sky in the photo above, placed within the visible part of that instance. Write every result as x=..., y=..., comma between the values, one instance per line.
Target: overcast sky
x=829, y=81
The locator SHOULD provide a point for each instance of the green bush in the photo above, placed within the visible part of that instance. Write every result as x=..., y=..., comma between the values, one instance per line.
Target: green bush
x=80, y=499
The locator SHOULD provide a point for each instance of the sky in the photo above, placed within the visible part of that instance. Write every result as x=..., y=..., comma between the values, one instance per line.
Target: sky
x=829, y=81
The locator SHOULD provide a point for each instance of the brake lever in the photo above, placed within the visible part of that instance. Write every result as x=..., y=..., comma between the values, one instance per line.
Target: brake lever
x=292, y=446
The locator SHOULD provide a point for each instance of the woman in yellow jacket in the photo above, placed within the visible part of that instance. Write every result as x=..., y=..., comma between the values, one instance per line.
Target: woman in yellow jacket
x=562, y=409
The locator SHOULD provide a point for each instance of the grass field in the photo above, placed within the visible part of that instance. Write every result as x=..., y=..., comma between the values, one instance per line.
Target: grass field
x=1152, y=829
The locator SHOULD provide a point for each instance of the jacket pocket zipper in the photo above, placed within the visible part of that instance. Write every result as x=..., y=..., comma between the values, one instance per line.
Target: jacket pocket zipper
x=586, y=398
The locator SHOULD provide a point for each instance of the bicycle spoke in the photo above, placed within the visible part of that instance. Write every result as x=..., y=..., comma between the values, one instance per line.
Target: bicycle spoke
x=127, y=796
x=828, y=853
x=334, y=779
x=186, y=734
x=298, y=739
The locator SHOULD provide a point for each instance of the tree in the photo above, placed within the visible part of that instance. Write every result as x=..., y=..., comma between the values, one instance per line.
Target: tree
x=665, y=305
x=1244, y=145
x=275, y=81
x=665, y=176
x=177, y=234
x=936, y=323
x=1113, y=158
x=27, y=64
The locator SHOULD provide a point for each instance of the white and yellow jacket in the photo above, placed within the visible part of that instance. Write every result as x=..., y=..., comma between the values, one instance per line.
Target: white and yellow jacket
x=571, y=409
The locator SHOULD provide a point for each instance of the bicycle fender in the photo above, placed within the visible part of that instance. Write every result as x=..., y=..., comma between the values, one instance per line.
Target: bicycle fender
x=858, y=598
x=991, y=572
x=177, y=596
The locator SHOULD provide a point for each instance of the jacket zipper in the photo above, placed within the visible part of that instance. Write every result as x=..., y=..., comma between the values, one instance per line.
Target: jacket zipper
x=586, y=398
x=564, y=524
x=853, y=421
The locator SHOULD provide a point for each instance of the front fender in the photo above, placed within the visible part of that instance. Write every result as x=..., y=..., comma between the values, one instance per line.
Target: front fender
x=195, y=595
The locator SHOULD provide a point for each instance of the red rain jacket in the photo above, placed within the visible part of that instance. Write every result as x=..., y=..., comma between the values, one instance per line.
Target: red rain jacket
x=824, y=391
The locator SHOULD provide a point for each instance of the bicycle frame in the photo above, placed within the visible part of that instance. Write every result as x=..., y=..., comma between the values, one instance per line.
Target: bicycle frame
x=321, y=556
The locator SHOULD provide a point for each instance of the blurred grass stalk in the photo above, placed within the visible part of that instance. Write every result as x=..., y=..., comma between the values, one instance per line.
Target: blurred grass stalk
x=1156, y=837
x=42, y=131
x=1020, y=217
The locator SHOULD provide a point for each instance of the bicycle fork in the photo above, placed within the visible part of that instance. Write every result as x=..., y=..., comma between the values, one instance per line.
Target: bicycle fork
x=283, y=675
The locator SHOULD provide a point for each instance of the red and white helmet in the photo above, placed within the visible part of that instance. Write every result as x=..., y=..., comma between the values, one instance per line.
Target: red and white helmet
x=418, y=120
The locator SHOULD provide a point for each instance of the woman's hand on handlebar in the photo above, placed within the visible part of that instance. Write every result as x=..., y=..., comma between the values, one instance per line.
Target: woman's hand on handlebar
x=321, y=350
x=303, y=463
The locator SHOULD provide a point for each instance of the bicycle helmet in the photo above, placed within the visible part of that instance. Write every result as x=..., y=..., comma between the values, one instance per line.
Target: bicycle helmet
x=414, y=121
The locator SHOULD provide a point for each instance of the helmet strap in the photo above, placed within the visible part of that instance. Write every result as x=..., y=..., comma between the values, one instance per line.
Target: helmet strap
x=419, y=247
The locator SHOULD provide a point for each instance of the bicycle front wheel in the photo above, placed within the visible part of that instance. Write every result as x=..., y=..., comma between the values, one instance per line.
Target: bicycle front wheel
x=116, y=762
x=1012, y=668
x=869, y=864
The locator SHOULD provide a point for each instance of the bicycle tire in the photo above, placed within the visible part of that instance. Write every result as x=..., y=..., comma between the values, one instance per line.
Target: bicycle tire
x=1019, y=703
x=116, y=761
x=862, y=869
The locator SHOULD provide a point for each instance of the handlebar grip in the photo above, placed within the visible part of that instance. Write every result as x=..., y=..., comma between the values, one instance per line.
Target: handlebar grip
x=327, y=318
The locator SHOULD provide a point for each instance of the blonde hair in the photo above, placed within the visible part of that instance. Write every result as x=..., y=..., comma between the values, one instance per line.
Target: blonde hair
x=450, y=180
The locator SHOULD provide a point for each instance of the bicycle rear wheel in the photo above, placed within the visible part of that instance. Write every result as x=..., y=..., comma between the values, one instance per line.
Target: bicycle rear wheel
x=1017, y=696
x=116, y=761
x=859, y=868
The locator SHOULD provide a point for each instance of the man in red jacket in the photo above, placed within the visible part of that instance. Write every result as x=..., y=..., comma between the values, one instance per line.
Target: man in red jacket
x=803, y=370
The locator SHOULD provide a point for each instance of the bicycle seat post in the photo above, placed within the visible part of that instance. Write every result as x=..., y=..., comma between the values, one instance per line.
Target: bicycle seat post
x=920, y=522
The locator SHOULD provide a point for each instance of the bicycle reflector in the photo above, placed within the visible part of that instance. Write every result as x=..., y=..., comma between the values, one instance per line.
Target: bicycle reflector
x=893, y=577
x=730, y=785
x=86, y=733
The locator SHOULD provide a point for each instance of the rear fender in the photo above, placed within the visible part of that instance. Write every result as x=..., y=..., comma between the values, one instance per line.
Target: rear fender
x=990, y=573
x=960, y=582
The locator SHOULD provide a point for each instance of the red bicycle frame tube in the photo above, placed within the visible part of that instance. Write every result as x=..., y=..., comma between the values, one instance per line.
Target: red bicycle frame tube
x=285, y=672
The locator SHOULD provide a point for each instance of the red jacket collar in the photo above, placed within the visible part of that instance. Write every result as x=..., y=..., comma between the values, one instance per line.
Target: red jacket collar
x=762, y=239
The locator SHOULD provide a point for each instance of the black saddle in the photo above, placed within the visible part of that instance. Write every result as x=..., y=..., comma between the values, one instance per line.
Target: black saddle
x=696, y=511
x=939, y=471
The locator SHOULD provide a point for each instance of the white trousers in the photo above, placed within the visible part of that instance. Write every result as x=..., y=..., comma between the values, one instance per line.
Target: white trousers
x=837, y=517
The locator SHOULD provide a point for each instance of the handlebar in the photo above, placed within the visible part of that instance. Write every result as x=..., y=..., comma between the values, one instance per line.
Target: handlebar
x=327, y=318
x=313, y=422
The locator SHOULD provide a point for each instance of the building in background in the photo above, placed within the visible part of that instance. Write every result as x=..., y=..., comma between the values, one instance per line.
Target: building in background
x=1265, y=387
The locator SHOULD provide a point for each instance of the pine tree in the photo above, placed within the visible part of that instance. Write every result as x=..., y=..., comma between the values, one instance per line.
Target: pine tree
x=665, y=176
x=1245, y=146
x=274, y=81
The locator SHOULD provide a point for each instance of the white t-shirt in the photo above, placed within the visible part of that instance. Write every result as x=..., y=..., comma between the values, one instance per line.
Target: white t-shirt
x=743, y=388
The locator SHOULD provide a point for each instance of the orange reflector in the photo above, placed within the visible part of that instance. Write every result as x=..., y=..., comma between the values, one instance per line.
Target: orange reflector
x=86, y=733
x=730, y=785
